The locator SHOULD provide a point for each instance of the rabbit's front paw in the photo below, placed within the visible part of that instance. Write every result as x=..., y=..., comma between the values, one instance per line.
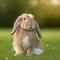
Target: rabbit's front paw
x=29, y=53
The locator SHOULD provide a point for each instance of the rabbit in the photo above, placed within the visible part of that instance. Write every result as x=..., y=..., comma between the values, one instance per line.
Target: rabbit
x=26, y=32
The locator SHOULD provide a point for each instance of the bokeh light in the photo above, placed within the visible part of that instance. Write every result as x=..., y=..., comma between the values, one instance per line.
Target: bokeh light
x=33, y=3
x=55, y=2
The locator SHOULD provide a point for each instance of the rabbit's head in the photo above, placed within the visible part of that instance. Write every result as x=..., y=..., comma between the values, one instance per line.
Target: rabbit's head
x=27, y=22
x=24, y=21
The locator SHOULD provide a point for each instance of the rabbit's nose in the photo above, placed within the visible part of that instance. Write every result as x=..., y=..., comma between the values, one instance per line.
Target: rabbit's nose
x=29, y=23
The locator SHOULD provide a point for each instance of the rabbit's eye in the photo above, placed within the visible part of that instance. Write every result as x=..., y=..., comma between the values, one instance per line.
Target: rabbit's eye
x=24, y=18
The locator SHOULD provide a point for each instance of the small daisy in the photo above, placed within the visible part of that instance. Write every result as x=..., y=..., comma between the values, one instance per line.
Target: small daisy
x=12, y=49
x=46, y=45
x=6, y=58
x=53, y=48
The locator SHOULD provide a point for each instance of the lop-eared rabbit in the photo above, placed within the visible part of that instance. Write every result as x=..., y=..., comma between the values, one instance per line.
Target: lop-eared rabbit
x=27, y=36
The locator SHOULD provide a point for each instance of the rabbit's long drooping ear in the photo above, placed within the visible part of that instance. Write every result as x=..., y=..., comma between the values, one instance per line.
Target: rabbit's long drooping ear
x=16, y=24
x=36, y=25
x=38, y=30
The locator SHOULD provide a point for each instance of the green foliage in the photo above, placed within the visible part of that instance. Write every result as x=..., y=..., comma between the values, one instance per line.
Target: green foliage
x=46, y=14
x=50, y=39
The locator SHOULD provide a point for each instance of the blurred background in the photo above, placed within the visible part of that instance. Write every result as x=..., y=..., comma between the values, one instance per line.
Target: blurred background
x=46, y=12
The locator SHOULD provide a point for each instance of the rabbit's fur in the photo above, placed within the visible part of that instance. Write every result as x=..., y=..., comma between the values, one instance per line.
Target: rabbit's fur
x=25, y=37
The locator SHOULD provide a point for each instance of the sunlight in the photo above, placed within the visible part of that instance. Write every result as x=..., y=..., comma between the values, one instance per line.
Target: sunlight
x=55, y=2
x=51, y=2
x=33, y=3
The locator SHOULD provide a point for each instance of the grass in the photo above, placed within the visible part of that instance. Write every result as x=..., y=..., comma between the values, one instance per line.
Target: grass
x=50, y=39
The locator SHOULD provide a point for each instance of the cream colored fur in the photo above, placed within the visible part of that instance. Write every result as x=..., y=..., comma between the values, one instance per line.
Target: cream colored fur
x=37, y=51
x=26, y=40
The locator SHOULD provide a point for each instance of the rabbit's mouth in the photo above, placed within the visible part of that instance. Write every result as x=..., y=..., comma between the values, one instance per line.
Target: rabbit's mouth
x=30, y=28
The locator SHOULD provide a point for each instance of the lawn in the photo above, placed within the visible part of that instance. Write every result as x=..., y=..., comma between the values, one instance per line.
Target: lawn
x=50, y=39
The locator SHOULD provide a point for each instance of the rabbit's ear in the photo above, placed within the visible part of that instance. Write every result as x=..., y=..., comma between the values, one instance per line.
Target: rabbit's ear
x=31, y=16
x=16, y=25
x=38, y=30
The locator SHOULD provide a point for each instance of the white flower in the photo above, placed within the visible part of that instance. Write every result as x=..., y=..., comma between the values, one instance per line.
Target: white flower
x=53, y=48
x=46, y=45
x=6, y=58
x=12, y=49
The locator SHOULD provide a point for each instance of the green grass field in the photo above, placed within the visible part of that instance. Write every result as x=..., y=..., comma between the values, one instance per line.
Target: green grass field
x=50, y=39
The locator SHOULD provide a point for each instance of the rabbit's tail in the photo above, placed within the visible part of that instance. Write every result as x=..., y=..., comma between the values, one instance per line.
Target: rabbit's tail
x=37, y=51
